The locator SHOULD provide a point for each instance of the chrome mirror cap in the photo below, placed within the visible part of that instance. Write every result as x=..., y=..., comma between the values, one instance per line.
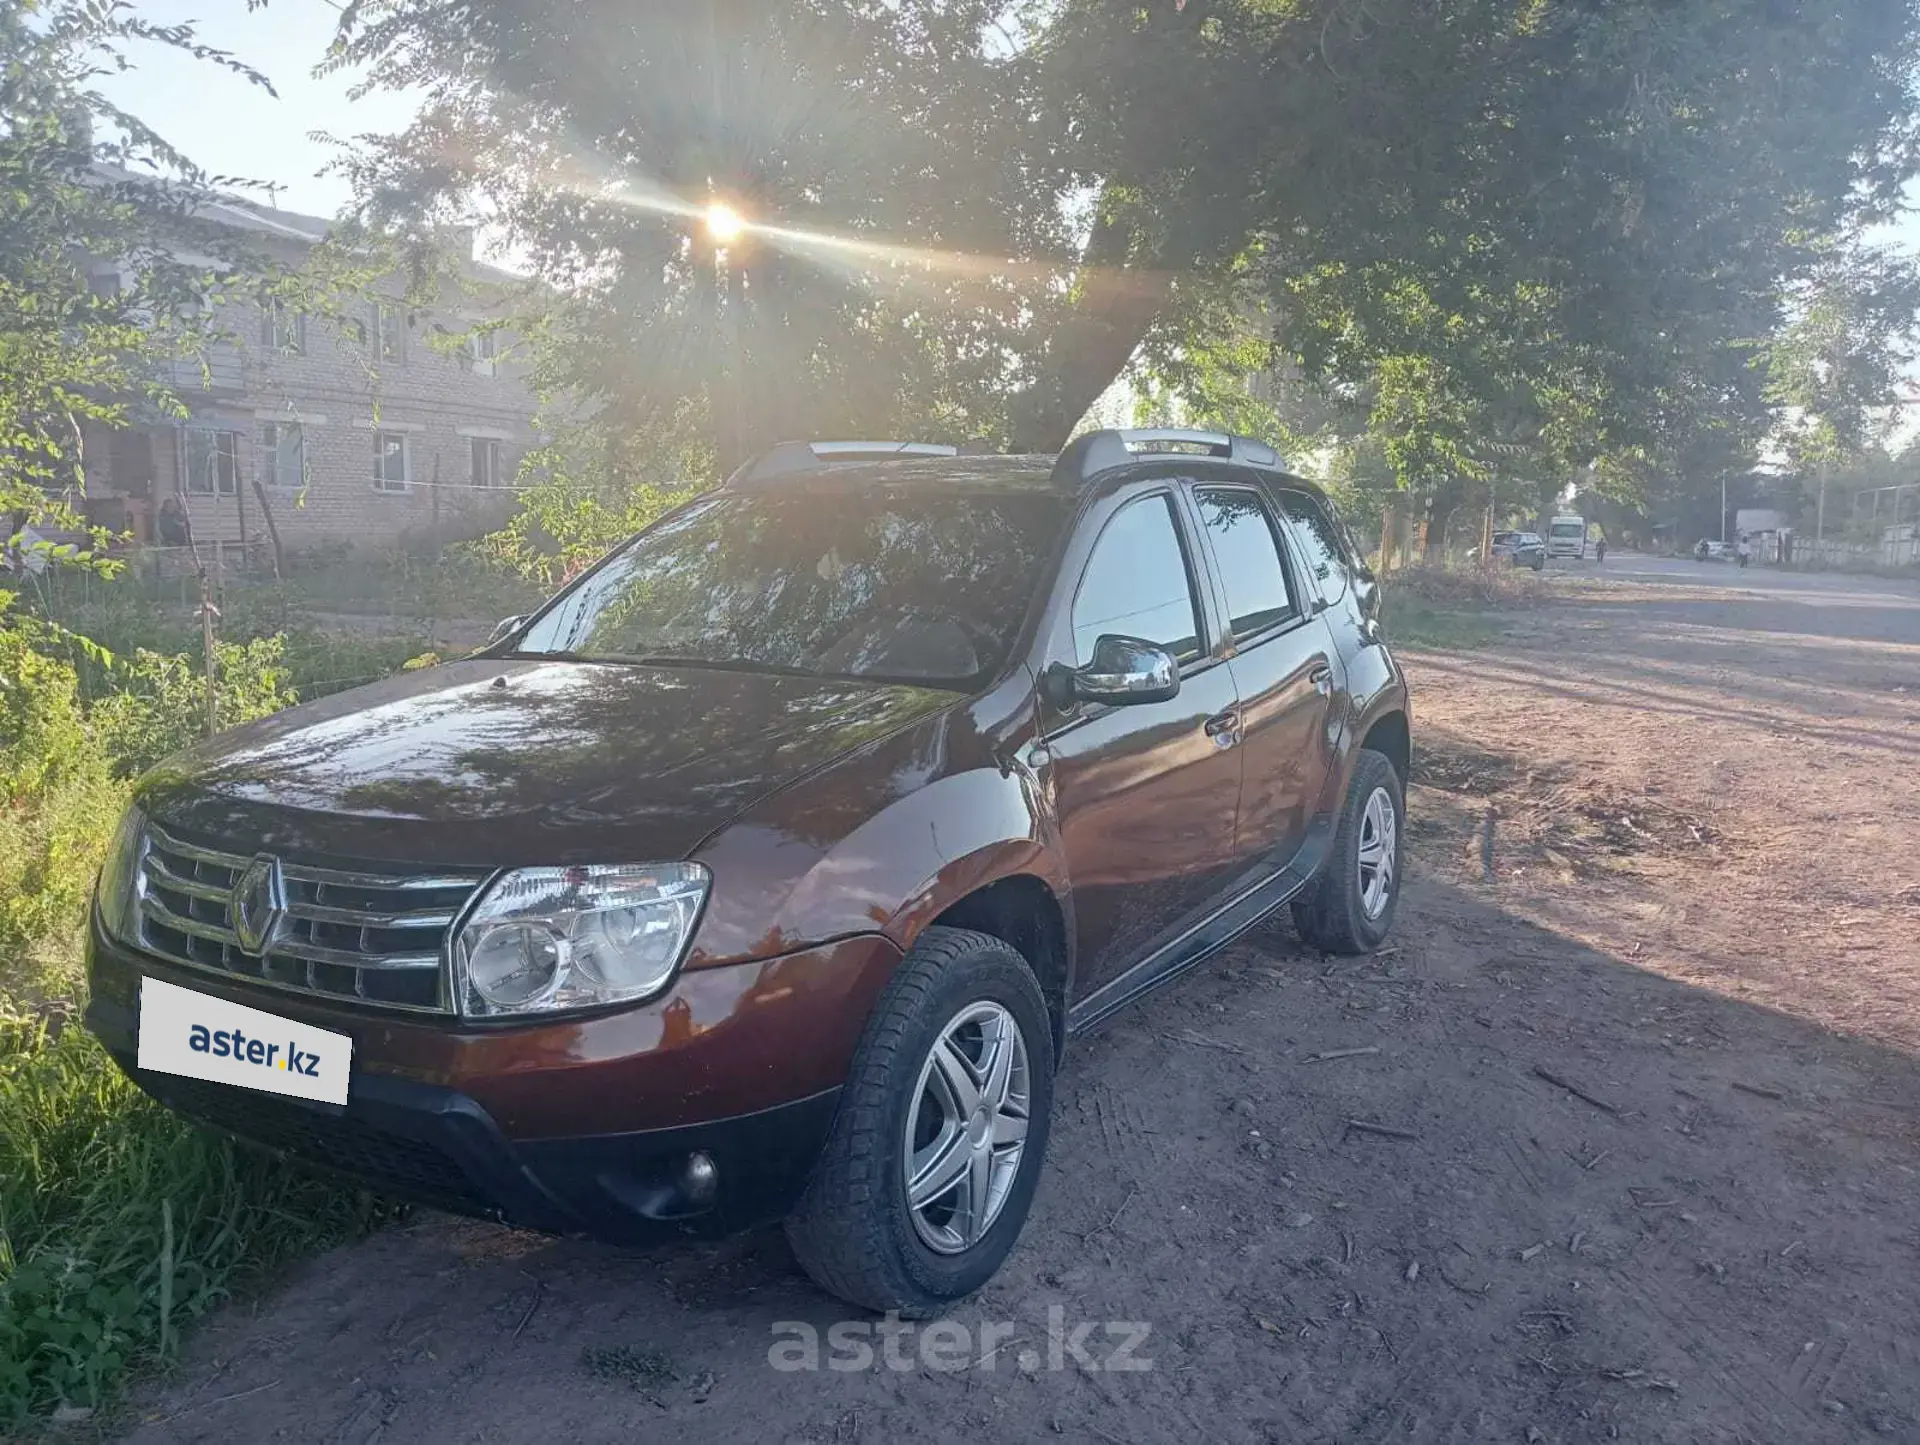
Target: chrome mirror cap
x=1127, y=670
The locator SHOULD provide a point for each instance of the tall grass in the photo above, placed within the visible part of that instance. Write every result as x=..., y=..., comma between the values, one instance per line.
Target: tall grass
x=120, y=1223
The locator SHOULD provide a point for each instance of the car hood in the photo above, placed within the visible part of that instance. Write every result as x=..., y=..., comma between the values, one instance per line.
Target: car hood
x=504, y=762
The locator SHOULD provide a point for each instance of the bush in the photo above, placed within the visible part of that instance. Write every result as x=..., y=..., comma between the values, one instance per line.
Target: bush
x=1467, y=586
x=120, y=1222
x=461, y=582
x=1453, y=608
x=563, y=527
x=161, y=706
x=58, y=806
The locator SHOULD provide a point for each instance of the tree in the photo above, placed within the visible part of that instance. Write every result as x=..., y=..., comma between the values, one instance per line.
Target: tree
x=1837, y=366
x=1524, y=236
x=99, y=212
x=868, y=146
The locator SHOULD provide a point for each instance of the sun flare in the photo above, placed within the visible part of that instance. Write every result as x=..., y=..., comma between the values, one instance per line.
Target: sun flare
x=724, y=224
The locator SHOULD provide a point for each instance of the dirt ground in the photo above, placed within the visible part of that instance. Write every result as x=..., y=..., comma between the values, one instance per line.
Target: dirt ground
x=1641, y=1066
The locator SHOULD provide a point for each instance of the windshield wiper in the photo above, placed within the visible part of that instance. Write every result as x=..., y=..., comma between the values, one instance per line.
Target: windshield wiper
x=562, y=655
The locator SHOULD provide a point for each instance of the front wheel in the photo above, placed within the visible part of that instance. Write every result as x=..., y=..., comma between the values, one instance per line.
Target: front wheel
x=928, y=1173
x=1349, y=907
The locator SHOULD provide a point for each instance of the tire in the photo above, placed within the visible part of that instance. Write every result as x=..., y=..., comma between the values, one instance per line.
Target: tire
x=854, y=1230
x=1332, y=914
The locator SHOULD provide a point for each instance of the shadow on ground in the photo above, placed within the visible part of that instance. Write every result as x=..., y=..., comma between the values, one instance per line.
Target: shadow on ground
x=1701, y=1228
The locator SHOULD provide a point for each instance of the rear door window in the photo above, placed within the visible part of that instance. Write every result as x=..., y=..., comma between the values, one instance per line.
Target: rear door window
x=1247, y=552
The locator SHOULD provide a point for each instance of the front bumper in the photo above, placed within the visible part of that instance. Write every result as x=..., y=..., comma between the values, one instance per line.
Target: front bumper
x=576, y=1127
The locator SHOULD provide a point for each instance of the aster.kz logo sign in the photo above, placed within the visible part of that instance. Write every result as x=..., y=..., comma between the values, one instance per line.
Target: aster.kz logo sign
x=183, y=1032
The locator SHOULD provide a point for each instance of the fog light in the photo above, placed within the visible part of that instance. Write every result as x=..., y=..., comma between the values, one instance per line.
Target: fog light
x=699, y=1178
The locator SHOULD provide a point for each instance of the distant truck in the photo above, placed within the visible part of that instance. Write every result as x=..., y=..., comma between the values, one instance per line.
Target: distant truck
x=1567, y=536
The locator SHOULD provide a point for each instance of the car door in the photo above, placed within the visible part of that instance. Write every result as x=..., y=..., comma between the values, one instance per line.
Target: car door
x=1144, y=795
x=1286, y=673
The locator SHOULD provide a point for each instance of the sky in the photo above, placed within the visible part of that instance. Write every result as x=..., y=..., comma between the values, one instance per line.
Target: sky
x=231, y=127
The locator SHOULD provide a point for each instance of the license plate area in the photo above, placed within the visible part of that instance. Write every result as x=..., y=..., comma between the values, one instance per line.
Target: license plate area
x=198, y=1036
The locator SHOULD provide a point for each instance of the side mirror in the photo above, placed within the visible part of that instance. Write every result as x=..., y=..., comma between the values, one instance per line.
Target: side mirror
x=506, y=628
x=1126, y=670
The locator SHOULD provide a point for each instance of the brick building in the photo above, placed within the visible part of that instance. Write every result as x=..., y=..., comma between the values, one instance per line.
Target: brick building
x=362, y=429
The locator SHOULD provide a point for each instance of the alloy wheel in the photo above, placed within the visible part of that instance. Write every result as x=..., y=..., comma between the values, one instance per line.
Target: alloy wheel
x=1378, y=852
x=967, y=1127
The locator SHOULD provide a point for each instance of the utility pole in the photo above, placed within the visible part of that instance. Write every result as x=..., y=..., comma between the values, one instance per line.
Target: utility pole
x=1820, y=510
x=1723, y=508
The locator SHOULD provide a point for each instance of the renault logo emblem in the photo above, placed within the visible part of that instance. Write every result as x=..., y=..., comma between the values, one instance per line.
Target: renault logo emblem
x=258, y=901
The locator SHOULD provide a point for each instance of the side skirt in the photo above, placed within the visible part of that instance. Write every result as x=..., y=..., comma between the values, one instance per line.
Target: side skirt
x=1211, y=934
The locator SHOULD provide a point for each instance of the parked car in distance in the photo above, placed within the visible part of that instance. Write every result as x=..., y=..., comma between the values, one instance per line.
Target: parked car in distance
x=765, y=872
x=1521, y=549
x=1710, y=550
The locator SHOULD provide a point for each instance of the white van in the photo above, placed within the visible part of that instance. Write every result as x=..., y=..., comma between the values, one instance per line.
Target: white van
x=1567, y=537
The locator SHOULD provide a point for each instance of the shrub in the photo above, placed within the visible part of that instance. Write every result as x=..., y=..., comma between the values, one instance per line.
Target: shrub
x=119, y=1222
x=161, y=706
x=1466, y=586
x=58, y=806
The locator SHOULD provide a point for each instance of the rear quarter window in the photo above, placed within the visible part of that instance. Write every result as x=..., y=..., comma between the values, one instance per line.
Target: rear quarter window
x=1326, y=550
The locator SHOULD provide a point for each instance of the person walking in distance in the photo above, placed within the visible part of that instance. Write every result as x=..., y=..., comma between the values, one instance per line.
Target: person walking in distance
x=1600, y=549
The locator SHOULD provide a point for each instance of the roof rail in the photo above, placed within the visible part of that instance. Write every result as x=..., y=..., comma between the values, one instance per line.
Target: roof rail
x=1101, y=451
x=792, y=458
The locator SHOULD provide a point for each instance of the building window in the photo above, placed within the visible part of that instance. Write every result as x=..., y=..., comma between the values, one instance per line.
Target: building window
x=489, y=463
x=392, y=462
x=104, y=285
x=389, y=333
x=483, y=352
x=213, y=463
x=281, y=329
x=283, y=455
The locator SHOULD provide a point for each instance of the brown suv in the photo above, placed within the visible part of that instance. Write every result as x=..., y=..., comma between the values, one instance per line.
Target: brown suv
x=766, y=871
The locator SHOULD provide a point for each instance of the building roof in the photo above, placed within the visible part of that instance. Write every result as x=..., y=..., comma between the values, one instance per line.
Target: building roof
x=269, y=221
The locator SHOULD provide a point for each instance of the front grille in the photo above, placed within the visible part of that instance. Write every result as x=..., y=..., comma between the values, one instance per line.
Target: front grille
x=330, y=1141
x=362, y=936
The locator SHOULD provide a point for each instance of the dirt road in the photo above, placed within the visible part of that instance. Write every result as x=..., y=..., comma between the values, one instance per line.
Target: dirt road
x=1642, y=1070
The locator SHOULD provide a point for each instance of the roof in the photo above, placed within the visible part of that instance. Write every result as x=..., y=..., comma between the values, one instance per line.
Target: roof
x=242, y=214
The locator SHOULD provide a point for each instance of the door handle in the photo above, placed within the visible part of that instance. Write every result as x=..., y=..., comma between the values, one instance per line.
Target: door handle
x=1321, y=678
x=1224, y=727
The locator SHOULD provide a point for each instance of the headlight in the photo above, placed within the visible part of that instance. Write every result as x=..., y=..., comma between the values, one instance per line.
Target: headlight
x=118, y=894
x=543, y=939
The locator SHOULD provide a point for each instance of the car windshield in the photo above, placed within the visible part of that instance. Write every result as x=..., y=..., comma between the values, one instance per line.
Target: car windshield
x=903, y=584
x=1568, y=529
